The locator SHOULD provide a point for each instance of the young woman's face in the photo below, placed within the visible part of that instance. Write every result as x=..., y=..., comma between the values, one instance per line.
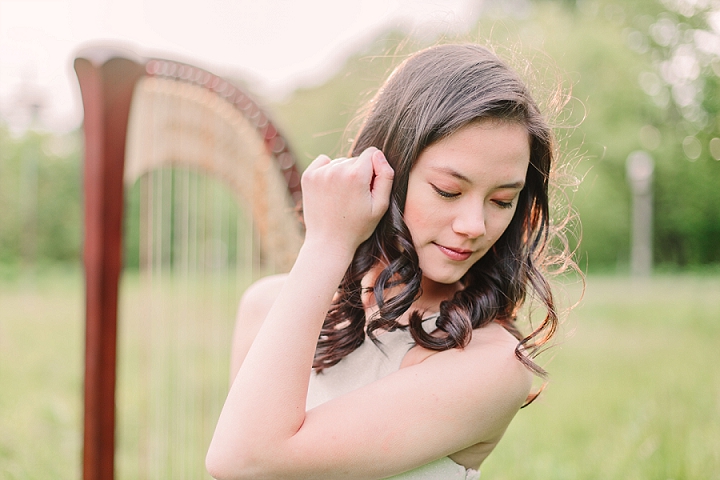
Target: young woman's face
x=462, y=194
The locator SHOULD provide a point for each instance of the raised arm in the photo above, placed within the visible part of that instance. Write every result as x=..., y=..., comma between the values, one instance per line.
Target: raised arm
x=441, y=405
x=343, y=201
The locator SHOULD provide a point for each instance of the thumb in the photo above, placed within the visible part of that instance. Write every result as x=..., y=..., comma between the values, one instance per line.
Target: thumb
x=383, y=175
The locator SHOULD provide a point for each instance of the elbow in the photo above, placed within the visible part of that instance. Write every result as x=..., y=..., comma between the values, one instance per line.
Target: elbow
x=239, y=465
x=223, y=464
x=243, y=460
x=241, y=457
x=216, y=465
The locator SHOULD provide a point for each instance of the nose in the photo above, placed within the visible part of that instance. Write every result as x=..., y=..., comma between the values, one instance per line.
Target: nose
x=470, y=222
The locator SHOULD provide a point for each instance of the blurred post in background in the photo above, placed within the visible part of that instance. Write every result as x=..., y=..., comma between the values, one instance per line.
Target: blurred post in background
x=640, y=174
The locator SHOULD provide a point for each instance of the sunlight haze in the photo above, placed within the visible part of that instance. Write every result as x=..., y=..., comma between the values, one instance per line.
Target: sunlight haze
x=274, y=45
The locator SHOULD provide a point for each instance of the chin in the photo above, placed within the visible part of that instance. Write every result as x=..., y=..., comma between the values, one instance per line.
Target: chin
x=444, y=278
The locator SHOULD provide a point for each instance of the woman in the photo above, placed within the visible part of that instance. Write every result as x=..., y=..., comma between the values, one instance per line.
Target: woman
x=390, y=349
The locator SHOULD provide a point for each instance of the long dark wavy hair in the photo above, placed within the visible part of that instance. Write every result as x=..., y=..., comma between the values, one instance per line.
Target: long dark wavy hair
x=431, y=95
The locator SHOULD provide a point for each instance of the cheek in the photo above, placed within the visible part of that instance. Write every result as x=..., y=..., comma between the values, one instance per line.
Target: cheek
x=413, y=213
x=415, y=220
x=499, y=225
x=423, y=218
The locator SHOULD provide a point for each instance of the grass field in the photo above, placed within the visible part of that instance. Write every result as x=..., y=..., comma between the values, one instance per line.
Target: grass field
x=634, y=390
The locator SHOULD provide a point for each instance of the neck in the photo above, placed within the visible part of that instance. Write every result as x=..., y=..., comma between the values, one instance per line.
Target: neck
x=432, y=294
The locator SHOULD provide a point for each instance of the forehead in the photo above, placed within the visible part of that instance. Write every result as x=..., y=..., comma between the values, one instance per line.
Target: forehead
x=487, y=148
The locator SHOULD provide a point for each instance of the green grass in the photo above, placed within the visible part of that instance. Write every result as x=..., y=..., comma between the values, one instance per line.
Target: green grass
x=173, y=377
x=634, y=391
x=41, y=362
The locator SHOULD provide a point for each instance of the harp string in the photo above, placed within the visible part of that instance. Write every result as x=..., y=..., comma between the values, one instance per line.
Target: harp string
x=214, y=214
x=180, y=319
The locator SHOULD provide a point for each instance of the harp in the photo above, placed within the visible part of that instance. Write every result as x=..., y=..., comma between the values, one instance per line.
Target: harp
x=181, y=157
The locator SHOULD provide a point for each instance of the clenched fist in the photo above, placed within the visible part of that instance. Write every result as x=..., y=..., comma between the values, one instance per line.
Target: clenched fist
x=344, y=199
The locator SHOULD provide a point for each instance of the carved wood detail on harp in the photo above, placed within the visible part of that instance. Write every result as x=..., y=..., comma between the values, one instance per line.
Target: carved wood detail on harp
x=141, y=115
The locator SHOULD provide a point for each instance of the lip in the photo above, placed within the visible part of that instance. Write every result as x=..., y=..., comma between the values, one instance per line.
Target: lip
x=456, y=254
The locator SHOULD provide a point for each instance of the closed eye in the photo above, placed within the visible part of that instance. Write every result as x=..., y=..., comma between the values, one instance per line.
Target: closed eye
x=502, y=204
x=443, y=193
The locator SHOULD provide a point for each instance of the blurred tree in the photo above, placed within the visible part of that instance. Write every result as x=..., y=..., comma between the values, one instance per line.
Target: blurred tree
x=681, y=38
x=10, y=224
x=613, y=63
x=644, y=75
x=52, y=222
x=647, y=74
x=581, y=47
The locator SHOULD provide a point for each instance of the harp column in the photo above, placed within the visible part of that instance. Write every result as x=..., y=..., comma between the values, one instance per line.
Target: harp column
x=106, y=83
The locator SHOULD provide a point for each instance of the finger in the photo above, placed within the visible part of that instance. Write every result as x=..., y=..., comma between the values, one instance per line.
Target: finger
x=380, y=165
x=320, y=161
x=367, y=154
x=342, y=161
x=363, y=164
x=383, y=178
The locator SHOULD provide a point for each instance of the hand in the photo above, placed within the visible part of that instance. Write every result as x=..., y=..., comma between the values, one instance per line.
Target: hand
x=344, y=199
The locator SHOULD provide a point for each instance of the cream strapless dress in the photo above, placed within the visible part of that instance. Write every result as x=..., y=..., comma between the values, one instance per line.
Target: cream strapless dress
x=369, y=363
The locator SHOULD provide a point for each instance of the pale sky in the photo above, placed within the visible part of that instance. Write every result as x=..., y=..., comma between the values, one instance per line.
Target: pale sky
x=275, y=45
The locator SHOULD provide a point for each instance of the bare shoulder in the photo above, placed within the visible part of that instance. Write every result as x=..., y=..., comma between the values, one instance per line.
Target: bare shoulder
x=254, y=307
x=506, y=382
x=491, y=354
x=491, y=349
x=260, y=296
x=494, y=346
x=488, y=373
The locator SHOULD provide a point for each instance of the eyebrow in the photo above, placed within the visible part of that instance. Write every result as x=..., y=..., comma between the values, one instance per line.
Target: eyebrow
x=454, y=173
x=514, y=185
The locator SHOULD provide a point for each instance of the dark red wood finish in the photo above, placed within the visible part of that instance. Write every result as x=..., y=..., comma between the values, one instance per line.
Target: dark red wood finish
x=106, y=91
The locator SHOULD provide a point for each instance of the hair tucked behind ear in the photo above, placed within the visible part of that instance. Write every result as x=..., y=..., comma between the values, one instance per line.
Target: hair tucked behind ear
x=430, y=96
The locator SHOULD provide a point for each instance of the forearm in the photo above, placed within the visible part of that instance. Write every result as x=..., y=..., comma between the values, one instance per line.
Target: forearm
x=343, y=201
x=266, y=403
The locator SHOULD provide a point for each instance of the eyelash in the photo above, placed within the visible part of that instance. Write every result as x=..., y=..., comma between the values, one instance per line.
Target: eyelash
x=443, y=193
x=503, y=204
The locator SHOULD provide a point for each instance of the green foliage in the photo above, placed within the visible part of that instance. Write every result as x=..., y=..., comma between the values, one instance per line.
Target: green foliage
x=609, y=54
x=590, y=48
x=599, y=125
x=681, y=79
x=39, y=198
